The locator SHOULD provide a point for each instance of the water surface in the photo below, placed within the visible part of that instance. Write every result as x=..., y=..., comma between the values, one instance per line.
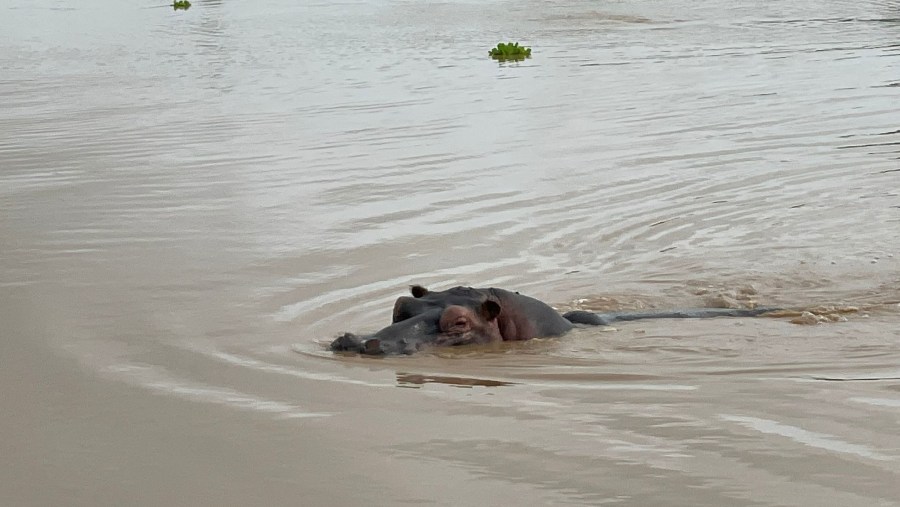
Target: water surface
x=193, y=203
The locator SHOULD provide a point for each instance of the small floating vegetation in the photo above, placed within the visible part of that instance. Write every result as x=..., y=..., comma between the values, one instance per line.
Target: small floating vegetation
x=181, y=5
x=510, y=51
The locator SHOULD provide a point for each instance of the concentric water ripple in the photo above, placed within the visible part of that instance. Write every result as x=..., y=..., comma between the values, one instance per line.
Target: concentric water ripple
x=194, y=203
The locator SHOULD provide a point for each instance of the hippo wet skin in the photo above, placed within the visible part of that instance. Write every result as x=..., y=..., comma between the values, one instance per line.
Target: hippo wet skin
x=465, y=315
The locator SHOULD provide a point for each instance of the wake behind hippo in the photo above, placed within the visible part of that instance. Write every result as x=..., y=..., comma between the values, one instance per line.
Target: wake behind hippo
x=465, y=315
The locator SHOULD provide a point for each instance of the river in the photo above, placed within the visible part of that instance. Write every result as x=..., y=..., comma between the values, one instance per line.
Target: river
x=194, y=203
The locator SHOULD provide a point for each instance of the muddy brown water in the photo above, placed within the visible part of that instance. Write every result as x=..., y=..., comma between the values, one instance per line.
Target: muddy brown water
x=192, y=204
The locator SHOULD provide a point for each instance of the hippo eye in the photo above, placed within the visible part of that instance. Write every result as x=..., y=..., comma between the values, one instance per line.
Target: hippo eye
x=461, y=322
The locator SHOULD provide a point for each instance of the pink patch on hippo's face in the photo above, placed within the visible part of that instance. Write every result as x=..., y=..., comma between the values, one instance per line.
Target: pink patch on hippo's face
x=461, y=325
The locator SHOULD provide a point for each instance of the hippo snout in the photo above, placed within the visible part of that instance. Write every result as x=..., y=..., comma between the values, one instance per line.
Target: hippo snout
x=347, y=342
x=377, y=347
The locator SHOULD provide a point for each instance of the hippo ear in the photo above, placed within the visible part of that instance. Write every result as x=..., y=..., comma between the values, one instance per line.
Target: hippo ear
x=490, y=309
x=418, y=291
x=404, y=308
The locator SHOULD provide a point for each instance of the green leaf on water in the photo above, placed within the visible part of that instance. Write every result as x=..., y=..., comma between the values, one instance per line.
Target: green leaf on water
x=509, y=51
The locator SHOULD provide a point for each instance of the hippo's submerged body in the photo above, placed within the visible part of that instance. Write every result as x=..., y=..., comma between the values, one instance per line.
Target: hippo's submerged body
x=465, y=315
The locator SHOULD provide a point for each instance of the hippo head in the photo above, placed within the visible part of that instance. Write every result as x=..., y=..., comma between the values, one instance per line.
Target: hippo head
x=456, y=316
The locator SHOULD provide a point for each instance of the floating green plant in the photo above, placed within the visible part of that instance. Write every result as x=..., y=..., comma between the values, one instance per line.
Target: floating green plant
x=181, y=5
x=510, y=51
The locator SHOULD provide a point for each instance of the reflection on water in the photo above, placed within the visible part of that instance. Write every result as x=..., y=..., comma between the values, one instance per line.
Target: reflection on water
x=193, y=203
x=808, y=438
x=414, y=380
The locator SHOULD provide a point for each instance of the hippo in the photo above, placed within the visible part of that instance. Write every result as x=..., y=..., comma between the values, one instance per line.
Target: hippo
x=466, y=315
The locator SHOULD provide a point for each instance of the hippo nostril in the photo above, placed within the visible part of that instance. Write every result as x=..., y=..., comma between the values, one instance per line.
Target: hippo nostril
x=347, y=341
x=373, y=346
